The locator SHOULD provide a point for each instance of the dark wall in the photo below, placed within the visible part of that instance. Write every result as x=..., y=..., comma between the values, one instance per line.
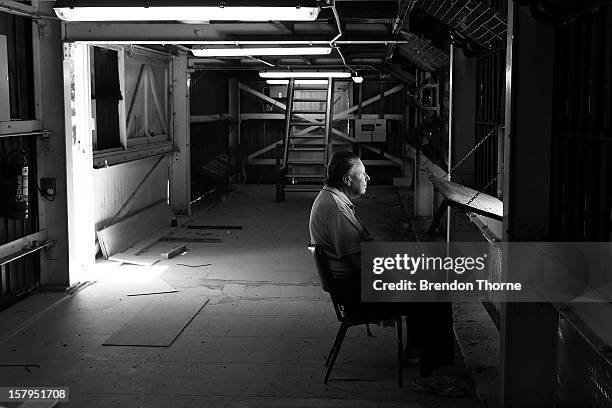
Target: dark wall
x=208, y=91
x=18, y=31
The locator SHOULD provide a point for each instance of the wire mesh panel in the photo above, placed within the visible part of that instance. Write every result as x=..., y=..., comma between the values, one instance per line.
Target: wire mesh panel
x=582, y=129
x=490, y=96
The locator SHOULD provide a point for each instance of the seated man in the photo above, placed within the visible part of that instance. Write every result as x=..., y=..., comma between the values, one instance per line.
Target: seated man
x=335, y=227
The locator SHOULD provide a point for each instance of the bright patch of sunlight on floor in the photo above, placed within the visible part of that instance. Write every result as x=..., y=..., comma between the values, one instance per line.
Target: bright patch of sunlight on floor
x=114, y=272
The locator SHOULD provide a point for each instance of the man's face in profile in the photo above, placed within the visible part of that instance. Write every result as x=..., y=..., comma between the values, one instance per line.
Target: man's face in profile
x=359, y=179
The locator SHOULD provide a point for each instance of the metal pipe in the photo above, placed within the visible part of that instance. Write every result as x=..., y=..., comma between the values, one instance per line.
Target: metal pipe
x=272, y=43
x=337, y=18
x=333, y=42
x=262, y=61
x=20, y=134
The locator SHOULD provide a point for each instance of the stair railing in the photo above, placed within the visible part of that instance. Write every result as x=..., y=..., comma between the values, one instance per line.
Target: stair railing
x=288, y=115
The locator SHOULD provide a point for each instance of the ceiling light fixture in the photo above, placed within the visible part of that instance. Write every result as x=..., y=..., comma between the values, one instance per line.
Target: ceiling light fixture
x=185, y=10
x=238, y=52
x=297, y=81
x=357, y=79
x=304, y=74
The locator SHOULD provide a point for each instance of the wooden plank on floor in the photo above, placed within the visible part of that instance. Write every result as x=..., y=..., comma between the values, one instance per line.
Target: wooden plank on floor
x=155, y=286
x=159, y=323
x=130, y=231
x=174, y=251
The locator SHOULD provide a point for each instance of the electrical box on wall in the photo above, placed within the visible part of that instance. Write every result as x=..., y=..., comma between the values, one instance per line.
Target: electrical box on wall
x=371, y=130
x=5, y=105
x=278, y=91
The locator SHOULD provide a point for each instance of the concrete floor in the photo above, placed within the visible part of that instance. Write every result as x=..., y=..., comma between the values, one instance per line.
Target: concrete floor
x=261, y=341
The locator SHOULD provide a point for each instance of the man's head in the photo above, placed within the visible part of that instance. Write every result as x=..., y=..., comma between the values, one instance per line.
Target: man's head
x=346, y=172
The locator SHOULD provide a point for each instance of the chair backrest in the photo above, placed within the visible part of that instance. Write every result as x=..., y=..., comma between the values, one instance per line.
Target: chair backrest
x=327, y=281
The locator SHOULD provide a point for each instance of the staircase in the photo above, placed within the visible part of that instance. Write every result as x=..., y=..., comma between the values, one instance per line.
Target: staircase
x=307, y=137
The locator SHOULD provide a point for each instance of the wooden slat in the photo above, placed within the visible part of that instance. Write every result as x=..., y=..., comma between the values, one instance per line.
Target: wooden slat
x=141, y=73
x=160, y=112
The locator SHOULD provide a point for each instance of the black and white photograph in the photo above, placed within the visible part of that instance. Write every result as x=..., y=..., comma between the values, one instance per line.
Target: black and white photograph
x=306, y=203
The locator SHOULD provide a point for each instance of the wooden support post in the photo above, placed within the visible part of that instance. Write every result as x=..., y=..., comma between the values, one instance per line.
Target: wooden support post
x=180, y=183
x=423, y=189
x=528, y=336
x=234, y=124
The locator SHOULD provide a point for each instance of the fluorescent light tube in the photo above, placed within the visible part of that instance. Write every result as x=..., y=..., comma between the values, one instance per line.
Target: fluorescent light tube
x=237, y=52
x=153, y=13
x=297, y=81
x=304, y=74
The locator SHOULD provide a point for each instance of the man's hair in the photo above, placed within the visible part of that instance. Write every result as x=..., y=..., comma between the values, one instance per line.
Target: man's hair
x=339, y=165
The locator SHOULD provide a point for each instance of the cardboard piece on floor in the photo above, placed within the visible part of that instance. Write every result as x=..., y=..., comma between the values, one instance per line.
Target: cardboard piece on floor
x=159, y=323
x=130, y=231
x=154, y=287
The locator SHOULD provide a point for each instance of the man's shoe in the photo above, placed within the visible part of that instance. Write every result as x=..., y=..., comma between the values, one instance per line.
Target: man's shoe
x=441, y=385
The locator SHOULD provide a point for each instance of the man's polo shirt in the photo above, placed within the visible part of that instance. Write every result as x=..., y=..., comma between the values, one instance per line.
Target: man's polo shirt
x=334, y=226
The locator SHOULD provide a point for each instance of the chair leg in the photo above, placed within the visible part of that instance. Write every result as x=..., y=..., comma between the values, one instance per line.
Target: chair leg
x=333, y=348
x=340, y=337
x=399, y=351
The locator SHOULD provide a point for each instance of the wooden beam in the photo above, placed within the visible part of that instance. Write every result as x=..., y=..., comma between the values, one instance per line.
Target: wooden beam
x=262, y=96
x=20, y=126
x=396, y=160
x=209, y=118
x=344, y=114
x=264, y=150
x=281, y=116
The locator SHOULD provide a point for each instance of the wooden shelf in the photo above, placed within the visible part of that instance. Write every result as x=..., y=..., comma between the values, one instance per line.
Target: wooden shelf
x=461, y=197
